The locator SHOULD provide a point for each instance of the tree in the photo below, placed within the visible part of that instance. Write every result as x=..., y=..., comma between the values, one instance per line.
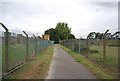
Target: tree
x=60, y=32
x=108, y=36
x=98, y=35
x=54, y=35
x=116, y=35
x=64, y=30
x=92, y=35
x=71, y=36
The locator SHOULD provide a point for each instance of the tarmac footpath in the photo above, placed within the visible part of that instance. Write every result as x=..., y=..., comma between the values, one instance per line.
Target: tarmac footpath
x=63, y=66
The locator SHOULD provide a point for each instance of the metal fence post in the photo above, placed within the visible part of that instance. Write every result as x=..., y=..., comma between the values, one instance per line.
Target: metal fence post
x=73, y=45
x=104, y=46
x=87, y=45
x=35, y=44
x=6, y=47
x=79, y=45
x=26, y=45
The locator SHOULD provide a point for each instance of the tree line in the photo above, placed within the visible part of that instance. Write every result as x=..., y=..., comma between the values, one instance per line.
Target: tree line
x=98, y=35
x=60, y=32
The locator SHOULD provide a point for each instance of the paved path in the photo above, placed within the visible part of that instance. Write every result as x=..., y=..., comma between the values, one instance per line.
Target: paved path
x=63, y=66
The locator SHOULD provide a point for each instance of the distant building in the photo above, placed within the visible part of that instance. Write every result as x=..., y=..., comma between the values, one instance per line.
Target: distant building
x=46, y=37
x=19, y=35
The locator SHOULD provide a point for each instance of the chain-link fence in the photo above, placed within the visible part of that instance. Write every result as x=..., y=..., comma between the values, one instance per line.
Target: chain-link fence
x=78, y=46
x=99, y=51
x=15, y=49
x=1, y=33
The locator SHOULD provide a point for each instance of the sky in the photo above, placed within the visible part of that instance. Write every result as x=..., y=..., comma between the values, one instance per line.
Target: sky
x=83, y=16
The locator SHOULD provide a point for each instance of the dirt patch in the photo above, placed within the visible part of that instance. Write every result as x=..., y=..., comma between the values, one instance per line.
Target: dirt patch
x=36, y=71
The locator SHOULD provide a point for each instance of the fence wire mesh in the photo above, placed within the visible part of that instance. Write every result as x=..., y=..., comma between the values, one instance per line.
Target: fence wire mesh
x=94, y=50
x=1, y=38
x=19, y=50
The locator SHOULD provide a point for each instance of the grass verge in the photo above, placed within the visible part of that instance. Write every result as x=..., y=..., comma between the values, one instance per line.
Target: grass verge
x=97, y=70
x=111, y=56
x=36, y=69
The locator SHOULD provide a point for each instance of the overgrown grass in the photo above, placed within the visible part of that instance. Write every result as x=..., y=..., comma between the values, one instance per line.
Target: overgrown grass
x=97, y=70
x=36, y=69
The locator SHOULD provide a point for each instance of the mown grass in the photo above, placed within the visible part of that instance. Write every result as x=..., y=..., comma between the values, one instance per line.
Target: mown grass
x=36, y=69
x=97, y=70
x=111, y=55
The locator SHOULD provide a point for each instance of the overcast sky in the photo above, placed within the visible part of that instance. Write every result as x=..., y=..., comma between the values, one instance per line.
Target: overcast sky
x=83, y=17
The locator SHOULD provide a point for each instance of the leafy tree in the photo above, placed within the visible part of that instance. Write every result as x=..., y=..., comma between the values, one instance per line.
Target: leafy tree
x=71, y=36
x=92, y=35
x=64, y=30
x=98, y=35
x=116, y=35
x=108, y=36
x=54, y=36
x=61, y=32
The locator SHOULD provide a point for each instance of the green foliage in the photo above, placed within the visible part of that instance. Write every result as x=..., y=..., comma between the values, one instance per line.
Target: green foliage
x=98, y=35
x=64, y=30
x=61, y=32
x=54, y=35
x=71, y=36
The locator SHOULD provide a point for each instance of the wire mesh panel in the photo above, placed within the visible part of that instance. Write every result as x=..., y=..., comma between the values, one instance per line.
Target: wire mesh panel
x=4, y=51
x=112, y=47
x=31, y=46
x=78, y=46
x=39, y=45
x=1, y=45
x=105, y=52
x=96, y=50
x=101, y=51
x=16, y=50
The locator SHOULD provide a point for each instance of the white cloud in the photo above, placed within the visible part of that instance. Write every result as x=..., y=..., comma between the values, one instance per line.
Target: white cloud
x=44, y=14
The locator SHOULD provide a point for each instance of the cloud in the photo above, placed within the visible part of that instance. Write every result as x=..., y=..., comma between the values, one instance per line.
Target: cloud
x=83, y=17
x=106, y=4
